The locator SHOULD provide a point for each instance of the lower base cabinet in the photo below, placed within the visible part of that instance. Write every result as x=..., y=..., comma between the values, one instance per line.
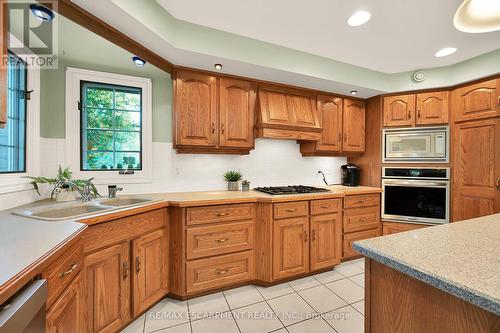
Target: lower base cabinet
x=107, y=277
x=389, y=228
x=326, y=247
x=150, y=269
x=291, y=247
x=67, y=313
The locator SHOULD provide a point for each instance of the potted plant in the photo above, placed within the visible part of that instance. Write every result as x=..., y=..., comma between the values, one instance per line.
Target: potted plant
x=245, y=185
x=232, y=177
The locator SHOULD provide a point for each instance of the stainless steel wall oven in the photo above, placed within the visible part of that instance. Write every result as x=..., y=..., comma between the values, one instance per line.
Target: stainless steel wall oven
x=413, y=194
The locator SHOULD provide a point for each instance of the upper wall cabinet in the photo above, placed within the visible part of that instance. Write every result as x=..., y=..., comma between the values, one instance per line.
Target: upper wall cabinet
x=343, y=123
x=287, y=114
x=477, y=101
x=213, y=114
x=430, y=108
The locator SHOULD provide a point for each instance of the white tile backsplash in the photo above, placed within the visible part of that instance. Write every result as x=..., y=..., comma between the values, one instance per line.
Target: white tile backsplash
x=272, y=162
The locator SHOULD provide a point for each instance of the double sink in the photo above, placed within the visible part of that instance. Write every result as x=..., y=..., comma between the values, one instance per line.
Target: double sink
x=75, y=209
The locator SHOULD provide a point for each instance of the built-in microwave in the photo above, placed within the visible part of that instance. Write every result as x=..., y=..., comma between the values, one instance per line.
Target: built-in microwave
x=416, y=145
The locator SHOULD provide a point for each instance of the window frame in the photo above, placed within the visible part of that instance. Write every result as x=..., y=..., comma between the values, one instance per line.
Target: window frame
x=14, y=182
x=25, y=168
x=141, y=154
x=74, y=77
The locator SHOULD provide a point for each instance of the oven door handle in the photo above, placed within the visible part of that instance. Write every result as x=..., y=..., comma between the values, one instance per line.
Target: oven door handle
x=414, y=183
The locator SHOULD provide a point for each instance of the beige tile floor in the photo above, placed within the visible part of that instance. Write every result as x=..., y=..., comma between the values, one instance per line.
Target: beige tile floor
x=332, y=301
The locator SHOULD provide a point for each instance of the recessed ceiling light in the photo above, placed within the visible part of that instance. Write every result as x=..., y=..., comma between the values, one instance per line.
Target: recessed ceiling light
x=139, y=61
x=359, y=18
x=445, y=52
x=477, y=16
x=42, y=13
x=354, y=92
x=218, y=66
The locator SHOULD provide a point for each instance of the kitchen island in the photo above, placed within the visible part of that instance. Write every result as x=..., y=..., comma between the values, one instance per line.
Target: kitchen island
x=439, y=279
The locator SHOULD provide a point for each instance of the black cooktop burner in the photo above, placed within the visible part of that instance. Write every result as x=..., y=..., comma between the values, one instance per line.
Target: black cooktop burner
x=292, y=189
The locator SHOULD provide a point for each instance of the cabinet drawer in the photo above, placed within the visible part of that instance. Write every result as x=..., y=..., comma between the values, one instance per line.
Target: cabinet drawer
x=361, y=219
x=205, y=274
x=222, y=213
x=60, y=274
x=364, y=200
x=219, y=239
x=348, y=251
x=326, y=206
x=291, y=209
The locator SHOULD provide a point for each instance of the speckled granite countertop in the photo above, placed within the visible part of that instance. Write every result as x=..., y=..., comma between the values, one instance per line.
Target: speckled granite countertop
x=461, y=258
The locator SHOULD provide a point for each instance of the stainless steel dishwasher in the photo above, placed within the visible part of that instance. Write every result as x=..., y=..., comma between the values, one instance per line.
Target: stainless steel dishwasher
x=25, y=312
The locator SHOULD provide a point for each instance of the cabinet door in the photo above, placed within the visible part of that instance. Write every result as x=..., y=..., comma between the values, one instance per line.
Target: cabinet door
x=150, y=269
x=330, y=119
x=291, y=247
x=354, y=126
x=237, y=109
x=195, y=111
x=326, y=240
x=477, y=169
x=107, y=277
x=67, y=312
x=303, y=111
x=432, y=108
x=477, y=101
x=399, y=110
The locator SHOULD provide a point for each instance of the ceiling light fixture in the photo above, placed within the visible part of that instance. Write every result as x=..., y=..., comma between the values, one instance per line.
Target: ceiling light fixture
x=476, y=16
x=218, y=66
x=42, y=13
x=354, y=92
x=139, y=61
x=359, y=18
x=445, y=52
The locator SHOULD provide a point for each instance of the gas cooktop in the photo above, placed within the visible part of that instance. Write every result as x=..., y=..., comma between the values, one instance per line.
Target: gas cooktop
x=291, y=189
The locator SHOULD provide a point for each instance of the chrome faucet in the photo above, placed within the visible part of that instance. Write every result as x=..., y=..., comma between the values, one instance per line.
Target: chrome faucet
x=112, y=189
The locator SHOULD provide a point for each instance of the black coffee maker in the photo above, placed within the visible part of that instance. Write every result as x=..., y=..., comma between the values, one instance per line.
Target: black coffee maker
x=350, y=174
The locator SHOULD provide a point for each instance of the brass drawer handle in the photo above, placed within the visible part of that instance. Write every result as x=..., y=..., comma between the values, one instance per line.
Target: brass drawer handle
x=305, y=237
x=69, y=271
x=213, y=128
x=362, y=219
x=291, y=210
x=409, y=114
x=361, y=201
x=314, y=234
x=221, y=214
x=418, y=114
x=325, y=206
x=221, y=271
x=498, y=184
x=221, y=240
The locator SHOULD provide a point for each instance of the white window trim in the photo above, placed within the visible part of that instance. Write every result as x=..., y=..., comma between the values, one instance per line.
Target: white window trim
x=73, y=78
x=13, y=182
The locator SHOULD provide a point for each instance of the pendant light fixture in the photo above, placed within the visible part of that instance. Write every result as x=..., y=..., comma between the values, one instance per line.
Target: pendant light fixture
x=476, y=16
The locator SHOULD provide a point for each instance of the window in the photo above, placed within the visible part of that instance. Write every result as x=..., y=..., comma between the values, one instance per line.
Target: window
x=111, y=127
x=13, y=135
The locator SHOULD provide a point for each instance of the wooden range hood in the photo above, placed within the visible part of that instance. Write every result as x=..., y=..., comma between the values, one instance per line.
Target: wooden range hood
x=286, y=113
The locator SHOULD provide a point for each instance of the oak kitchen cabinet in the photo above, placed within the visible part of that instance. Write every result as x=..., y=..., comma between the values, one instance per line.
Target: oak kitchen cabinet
x=343, y=123
x=477, y=101
x=214, y=114
x=125, y=268
x=476, y=171
x=389, y=228
x=286, y=113
x=430, y=108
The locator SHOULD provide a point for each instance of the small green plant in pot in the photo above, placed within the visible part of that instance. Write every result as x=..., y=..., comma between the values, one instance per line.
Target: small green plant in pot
x=245, y=185
x=232, y=177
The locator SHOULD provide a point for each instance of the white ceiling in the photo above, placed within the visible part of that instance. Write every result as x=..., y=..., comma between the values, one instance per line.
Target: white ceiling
x=402, y=35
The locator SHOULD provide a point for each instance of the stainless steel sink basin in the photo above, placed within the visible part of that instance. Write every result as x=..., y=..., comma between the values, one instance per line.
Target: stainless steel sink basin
x=72, y=210
x=121, y=202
